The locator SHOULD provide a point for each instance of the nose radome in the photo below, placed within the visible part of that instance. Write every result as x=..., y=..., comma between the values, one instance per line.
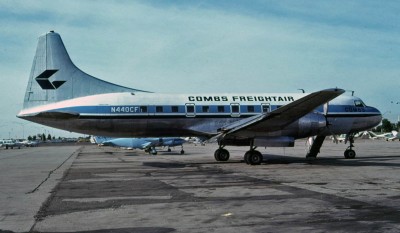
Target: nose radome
x=378, y=116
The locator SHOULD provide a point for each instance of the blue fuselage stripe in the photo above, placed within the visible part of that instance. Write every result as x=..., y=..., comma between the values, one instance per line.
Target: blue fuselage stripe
x=202, y=111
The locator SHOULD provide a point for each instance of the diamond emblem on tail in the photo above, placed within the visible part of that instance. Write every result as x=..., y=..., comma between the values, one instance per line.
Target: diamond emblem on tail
x=44, y=82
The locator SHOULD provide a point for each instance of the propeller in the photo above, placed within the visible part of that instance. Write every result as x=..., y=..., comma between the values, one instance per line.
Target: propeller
x=326, y=105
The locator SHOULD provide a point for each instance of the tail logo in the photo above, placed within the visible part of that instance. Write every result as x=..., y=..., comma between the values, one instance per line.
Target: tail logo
x=44, y=82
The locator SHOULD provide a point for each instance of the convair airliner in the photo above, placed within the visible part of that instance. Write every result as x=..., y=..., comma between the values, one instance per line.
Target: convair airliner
x=62, y=96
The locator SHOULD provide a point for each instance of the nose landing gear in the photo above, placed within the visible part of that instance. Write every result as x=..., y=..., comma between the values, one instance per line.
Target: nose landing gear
x=349, y=153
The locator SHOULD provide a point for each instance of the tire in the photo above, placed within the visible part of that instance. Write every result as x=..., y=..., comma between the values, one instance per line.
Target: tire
x=246, y=157
x=224, y=155
x=221, y=155
x=349, y=154
x=346, y=154
x=255, y=158
x=216, y=155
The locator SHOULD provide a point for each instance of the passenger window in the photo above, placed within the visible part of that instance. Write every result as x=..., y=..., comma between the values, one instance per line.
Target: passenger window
x=159, y=108
x=190, y=108
x=250, y=108
x=143, y=108
x=174, y=109
x=235, y=108
x=220, y=109
x=205, y=109
x=265, y=108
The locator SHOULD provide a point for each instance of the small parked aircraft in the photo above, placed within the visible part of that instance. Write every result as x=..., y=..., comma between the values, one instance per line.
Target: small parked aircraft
x=147, y=144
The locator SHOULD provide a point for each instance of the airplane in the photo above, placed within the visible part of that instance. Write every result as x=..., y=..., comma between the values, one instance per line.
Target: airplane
x=147, y=144
x=344, y=137
x=62, y=96
x=394, y=135
x=10, y=143
x=196, y=140
x=29, y=143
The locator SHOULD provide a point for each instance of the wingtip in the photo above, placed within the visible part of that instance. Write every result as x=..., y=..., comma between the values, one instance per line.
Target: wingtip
x=341, y=91
x=336, y=89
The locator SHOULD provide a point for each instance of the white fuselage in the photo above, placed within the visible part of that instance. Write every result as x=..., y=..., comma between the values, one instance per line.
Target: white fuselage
x=156, y=115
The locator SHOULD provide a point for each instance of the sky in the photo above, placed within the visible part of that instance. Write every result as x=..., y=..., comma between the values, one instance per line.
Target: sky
x=208, y=47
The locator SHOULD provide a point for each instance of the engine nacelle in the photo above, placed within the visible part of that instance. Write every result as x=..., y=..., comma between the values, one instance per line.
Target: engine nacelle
x=268, y=141
x=282, y=141
x=311, y=124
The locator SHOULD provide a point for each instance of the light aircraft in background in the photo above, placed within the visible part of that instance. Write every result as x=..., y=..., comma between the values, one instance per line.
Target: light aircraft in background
x=147, y=144
x=10, y=143
x=29, y=143
x=62, y=96
x=196, y=140
x=394, y=135
x=338, y=138
x=345, y=137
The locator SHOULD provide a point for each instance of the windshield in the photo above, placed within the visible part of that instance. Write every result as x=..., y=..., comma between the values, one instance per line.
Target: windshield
x=359, y=103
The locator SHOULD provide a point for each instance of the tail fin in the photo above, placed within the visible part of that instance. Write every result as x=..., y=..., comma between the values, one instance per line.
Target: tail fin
x=54, y=77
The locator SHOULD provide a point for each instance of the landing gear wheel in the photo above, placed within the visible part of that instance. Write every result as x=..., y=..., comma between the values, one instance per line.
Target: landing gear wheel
x=182, y=152
x=254, y=157
x=349, y=154
x=169, y=149
x=246, y=157
x=221, y=155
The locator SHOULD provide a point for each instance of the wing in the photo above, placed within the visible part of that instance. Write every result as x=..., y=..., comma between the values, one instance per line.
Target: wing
x=282, y=116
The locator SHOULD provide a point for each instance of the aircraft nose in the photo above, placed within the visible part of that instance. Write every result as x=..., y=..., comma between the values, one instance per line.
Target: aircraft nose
x=378, y=117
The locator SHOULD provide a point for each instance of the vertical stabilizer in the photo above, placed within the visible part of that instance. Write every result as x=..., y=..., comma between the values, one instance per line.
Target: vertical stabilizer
x=54, y=77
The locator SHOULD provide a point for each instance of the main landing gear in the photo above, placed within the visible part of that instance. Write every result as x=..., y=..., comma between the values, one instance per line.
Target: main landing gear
x=182, y=151
x=252, y=157
x=221, y=154
x=151, y=151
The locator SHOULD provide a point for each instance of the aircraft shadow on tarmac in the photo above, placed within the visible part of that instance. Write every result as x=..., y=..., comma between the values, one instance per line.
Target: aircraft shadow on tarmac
x=127, y=230
x=335, y=161
x=270, y=159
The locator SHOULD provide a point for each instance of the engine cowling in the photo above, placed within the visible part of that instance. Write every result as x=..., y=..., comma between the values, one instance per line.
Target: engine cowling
x=267, y=141
x=312, y=124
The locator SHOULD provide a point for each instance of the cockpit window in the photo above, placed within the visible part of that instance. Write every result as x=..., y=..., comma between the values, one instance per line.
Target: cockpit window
x=359, y=103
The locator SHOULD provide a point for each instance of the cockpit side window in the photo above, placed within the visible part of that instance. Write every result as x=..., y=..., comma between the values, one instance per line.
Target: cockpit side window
x=359, y=103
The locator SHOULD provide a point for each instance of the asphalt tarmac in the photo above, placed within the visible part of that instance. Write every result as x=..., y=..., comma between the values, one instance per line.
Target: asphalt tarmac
x=86, y=188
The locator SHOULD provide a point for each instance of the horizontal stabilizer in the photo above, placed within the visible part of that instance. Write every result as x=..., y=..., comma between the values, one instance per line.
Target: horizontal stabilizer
x=58, y=115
